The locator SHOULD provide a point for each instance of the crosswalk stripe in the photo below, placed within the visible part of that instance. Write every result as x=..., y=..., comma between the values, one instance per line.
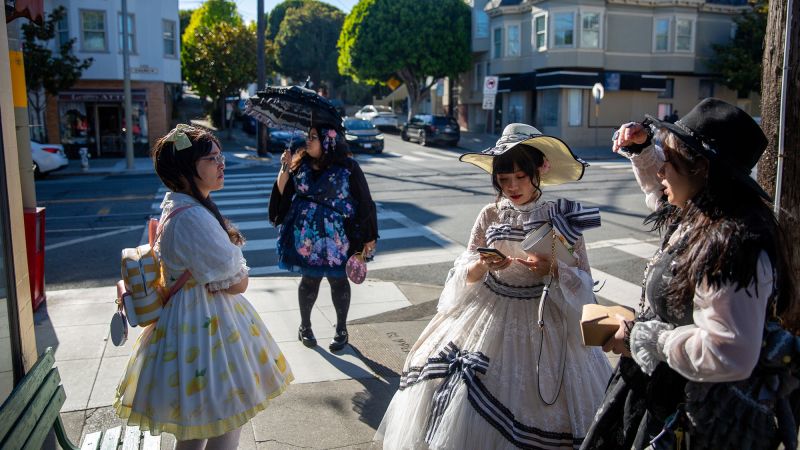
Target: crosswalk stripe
x=617, y=290
x=387, y=234
x=431, y=155
x=406, y=157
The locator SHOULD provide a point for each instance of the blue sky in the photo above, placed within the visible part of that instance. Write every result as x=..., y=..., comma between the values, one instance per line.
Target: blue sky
x=247, y=8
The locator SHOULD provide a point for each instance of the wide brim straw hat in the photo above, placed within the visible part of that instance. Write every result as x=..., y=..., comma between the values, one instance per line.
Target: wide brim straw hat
x=725, y=135
x=565, y=166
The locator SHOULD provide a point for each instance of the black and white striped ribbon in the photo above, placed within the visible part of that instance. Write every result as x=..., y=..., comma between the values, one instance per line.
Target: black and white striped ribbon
x=456, y=365
x=570, y=218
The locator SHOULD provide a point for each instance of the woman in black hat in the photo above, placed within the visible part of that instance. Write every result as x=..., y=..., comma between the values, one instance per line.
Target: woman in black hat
x=322, y=203
x=692, y=372
x=486, y=373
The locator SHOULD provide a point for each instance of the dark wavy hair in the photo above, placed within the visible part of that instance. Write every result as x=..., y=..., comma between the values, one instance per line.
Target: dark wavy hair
x=336, y=155
x=729, y=225
x=178, y=169
x=521, y=157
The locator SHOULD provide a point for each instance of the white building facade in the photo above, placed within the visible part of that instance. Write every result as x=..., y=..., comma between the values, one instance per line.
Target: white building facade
x=91, y=113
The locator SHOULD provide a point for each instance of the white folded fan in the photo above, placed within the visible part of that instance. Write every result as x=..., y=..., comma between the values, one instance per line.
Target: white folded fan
x=540, y=241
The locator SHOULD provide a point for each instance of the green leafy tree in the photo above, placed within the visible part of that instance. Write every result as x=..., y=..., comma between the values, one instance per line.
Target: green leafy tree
x=185, y=16
x=410, y=39
x=278, y=13
x=48, y=72
x=306, y=43
x=221, y=61
x=208, y=14
x=739, y=62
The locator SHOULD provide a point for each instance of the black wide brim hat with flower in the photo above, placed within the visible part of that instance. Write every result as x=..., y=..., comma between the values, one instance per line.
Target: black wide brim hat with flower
x=725, y=135
x=293, y=107
x=564, y=165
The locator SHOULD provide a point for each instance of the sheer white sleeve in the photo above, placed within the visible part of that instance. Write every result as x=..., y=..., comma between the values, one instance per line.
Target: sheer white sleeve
x=456, y=288
x=197, y=242
x=724, y=342
x=576, y=282
x=645, y=167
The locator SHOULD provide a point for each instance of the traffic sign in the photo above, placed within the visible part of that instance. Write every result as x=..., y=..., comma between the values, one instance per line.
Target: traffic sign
x=598, y=92
x=488, y=102
x=490, y=85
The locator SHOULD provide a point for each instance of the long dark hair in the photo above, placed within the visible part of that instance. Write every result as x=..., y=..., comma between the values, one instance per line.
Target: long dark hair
x=521, y=157
x=728, y=226
x=178, y=169
x=335, y=154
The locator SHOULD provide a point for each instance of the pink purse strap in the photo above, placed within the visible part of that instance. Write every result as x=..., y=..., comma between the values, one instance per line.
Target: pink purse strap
x=186, y=274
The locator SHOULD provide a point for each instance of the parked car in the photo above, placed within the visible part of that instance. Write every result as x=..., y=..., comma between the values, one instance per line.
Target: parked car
x=362, y=135
x=380, y=116
x=428, y=129
x=47, y=158
x=280, y=140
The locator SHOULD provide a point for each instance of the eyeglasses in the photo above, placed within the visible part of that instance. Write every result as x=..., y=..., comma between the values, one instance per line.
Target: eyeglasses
x=219, y=158
x=312, y=138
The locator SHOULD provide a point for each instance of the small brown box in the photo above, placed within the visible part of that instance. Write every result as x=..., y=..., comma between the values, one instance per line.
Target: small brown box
x=599, y=323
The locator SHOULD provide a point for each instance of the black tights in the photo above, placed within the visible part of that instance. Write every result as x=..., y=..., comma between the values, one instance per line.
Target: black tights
x=307, y=296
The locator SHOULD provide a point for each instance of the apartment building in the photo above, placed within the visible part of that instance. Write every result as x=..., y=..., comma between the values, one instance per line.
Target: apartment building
x=91, y=113
x=650, y=56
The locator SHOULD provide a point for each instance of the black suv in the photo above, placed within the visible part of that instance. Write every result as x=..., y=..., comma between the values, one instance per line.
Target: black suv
x=427, y=129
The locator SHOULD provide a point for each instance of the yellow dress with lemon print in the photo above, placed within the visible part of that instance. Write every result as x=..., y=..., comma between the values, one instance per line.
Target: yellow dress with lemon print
x=209, y=364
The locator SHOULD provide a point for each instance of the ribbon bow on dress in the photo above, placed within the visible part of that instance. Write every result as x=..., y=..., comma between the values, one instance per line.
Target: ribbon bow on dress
x=570, y=218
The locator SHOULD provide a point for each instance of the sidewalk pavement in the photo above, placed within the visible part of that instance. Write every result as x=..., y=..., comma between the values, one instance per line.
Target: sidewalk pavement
x=336, y=401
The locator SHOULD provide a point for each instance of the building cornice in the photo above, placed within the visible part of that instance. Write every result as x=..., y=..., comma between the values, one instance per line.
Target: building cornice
x=700, y=5
x=493, y=9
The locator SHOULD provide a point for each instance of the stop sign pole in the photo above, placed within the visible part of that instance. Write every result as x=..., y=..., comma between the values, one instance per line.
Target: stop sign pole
x=597, y=92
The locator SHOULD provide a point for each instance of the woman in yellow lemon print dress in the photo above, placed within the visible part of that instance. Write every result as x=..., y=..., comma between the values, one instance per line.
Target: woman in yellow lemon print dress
x=208, y=365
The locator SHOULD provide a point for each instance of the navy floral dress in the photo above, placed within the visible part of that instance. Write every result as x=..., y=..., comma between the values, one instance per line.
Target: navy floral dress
x=321, y=221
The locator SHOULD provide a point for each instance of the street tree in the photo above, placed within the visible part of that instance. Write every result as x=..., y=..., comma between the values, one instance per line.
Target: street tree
x=184, y=16
x=771, y=81
x=48, y=72
x=221, y=61
x=739, y=61
x=306, y=42
x=417, y=41
x=208, y=14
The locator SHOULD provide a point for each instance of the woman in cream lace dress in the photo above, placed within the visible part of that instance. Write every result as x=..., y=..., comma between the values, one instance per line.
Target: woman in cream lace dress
x=471, y=381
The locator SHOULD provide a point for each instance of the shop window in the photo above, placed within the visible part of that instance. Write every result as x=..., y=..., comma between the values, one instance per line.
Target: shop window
x=590, y=30
x=168, y=30
x=661, y=35
x=540, y=32
x=564, y=29
x=669, y=89
x=93, y=31
x=131, y=33
x=512, y=49
x=664, y=111
x=575, y=101
x=498, y=43
x=548, y=108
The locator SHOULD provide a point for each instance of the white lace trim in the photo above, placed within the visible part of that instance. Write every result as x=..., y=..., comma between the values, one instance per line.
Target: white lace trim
x=216, y=286
x=647, y=344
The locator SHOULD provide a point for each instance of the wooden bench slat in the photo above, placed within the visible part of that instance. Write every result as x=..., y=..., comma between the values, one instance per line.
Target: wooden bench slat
x=19, y=398
x=92, y=441
x=29, y=419
x=48, y=417
x=111, y=439
x=131, y=441
x=151, y=442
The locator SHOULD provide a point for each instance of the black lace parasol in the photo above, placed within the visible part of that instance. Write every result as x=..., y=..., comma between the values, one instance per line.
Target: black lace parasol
x=293, y=107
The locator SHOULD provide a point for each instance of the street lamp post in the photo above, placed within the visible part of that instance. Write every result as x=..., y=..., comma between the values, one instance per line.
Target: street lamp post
x=126, y=85
x=261, y=77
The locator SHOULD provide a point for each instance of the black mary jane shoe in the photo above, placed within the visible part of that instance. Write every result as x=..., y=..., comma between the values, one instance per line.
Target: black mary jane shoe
x=339, y=341
x=306, y=336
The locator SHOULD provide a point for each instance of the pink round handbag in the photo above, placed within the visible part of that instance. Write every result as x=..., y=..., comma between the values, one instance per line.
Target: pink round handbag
x=356, y=268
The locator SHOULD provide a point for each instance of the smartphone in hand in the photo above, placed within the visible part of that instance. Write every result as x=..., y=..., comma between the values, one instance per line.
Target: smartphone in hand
x=488, y=251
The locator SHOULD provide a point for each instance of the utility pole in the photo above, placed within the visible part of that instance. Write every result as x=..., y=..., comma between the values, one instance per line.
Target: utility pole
x=126, y=69
x=261, y=129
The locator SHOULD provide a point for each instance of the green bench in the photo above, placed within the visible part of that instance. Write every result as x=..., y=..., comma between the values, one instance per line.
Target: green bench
x=33, y=408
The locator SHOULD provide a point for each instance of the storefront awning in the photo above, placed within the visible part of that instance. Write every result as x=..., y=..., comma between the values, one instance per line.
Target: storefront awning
x=98, y=95
x=571, y=79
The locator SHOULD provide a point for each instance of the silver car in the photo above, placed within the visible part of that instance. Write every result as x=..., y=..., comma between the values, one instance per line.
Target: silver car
x=380, y=116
